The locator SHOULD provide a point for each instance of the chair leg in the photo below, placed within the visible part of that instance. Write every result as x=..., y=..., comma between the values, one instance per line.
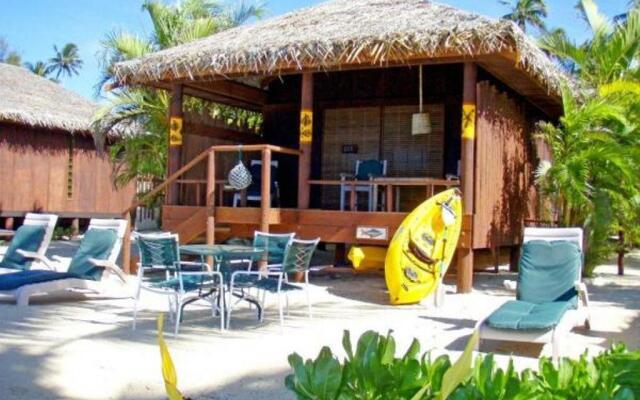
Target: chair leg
x=341, y=198
x=555, y=347
x=178, y=317
x=286, y=300
x=280, y=310
x=135, y=307
x=306, y=281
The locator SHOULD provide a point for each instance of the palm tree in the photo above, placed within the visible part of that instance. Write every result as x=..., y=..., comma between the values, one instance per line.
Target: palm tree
x=7, y=55
x=594, y=180
x=610, y=54
x=39, y=68
x=526, y=12
x=188, y=20
x=66, y=61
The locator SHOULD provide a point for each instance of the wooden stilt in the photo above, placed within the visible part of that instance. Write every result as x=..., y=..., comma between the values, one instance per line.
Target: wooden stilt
x=211, y=200
x=306, y=137
x=126, y=245
x=265, y=204
x=465, y=261
x=75, y=227
x=9, y=223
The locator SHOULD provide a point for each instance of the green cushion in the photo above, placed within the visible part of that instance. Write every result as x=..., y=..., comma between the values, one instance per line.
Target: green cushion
x=523, y=315
x=369, y=168
x=27, y=238
x=189, y=283
x=98, y=244
x=548, y=271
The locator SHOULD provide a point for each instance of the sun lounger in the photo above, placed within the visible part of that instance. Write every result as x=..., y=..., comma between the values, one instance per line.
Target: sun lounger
x=551, y=300
x=29, y=243
x=94, y=260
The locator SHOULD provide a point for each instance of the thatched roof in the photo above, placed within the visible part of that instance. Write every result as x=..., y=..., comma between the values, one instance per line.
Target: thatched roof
x=344, y=33
x=28, y=99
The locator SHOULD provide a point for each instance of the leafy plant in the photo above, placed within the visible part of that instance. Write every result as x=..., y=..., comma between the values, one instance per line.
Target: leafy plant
x=374, y=372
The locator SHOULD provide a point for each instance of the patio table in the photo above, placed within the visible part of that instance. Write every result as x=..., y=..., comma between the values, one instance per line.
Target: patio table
x=223, y=255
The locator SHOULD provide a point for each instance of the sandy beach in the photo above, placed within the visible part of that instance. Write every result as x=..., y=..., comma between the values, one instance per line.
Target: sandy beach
x=73, y=346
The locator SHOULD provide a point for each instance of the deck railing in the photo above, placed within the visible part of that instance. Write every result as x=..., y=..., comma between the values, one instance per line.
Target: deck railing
x=174, y=181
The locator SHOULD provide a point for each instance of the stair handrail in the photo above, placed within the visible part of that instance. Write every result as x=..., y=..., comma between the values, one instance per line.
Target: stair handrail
x=171, y=179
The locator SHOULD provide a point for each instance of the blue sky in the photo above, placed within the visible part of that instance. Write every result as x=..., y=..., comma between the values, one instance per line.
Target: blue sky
x=32, y=27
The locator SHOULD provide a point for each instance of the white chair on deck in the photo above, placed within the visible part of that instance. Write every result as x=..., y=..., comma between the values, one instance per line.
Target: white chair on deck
x=366, y=170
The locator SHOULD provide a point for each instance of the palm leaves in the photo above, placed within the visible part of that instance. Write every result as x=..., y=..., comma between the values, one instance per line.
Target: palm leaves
x=609, y=55
x=66, y=61
x=186, y=21
x=526, y=12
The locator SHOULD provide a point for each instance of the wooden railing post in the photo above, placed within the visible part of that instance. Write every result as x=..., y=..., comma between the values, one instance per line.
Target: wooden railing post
x=464, y=274
x=306, y=137
x=265, y=204
x=211, y=201
x=174, y=156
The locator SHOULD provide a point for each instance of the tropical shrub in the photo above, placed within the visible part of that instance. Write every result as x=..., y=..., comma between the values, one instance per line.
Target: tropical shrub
x=373, y=371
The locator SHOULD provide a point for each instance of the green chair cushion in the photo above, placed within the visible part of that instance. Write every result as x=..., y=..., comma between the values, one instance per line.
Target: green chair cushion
x=98, y=244
x=189, y=283
x=27, y=238
x=523, y=315
x=369, y=168
x=271, y=285
x=548, y=272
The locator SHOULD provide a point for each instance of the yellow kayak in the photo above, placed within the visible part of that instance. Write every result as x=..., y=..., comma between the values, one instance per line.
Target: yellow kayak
x=422, y=248
x=366, y=258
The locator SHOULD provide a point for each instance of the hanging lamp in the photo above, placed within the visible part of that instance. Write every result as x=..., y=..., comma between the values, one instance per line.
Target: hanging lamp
x=421, y=122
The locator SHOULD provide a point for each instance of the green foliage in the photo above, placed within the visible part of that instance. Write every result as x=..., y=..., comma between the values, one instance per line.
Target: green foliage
x=526, y=12
x=144, y=154
x=374, y=372
x=65, y=62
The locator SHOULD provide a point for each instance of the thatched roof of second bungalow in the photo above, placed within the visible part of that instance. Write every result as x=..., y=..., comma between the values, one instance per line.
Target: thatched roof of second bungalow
x=28, y=99
x=341, y=33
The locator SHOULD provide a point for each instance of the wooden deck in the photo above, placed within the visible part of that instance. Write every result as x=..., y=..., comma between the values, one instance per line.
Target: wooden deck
x=331, y=226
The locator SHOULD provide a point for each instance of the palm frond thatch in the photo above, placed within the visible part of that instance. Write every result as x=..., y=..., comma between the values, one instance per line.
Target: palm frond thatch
x=28, y=99
x=342, y=32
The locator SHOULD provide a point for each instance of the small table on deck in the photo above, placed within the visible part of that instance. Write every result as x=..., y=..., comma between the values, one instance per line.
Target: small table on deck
x=222, y=254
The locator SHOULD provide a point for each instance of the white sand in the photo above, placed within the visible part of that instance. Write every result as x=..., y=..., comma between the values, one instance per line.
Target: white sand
x=62, y=348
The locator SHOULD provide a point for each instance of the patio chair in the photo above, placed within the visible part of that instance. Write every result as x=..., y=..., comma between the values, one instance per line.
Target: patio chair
x=551, y=299
x=274, y=245
x=254, y=191
x=366, y=170
x=29, y=243
x=89, y=268
x=297, y=258
x=162, y=271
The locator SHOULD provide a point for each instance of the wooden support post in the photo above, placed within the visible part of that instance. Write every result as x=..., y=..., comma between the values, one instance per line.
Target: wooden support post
x=9, y=223
x=174, y=156
x=211, y=201
x=389, y=193
x=464, y=274
x=265, y=191
x=621, y=252
x=306, y=137
x=75, y=227
x=126, y=245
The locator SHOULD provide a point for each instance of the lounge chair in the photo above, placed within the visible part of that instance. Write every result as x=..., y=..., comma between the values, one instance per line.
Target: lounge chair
x=551, y=299
x=29, y=243
x=97, y=255
x=297, y=258
x=162, y=271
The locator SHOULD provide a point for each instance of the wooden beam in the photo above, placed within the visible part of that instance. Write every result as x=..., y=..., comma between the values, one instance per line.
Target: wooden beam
x=201, y=129
x=464, y=274
x=195, y=91
x=306, y=137
x=175, y=142
x=233, y=90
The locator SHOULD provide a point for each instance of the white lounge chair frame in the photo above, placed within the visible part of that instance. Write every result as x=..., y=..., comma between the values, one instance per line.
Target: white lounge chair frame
x=49, y=222
x=571, y=318
x=23, y=293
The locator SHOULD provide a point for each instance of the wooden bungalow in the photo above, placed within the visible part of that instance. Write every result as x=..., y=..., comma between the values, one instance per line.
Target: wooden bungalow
x=48, y=160
x=339, y=82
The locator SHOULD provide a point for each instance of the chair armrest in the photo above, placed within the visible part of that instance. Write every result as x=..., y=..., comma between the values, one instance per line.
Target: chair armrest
x=109, y=266
x=35, y=256
x=583, y=293
x=345, y=175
